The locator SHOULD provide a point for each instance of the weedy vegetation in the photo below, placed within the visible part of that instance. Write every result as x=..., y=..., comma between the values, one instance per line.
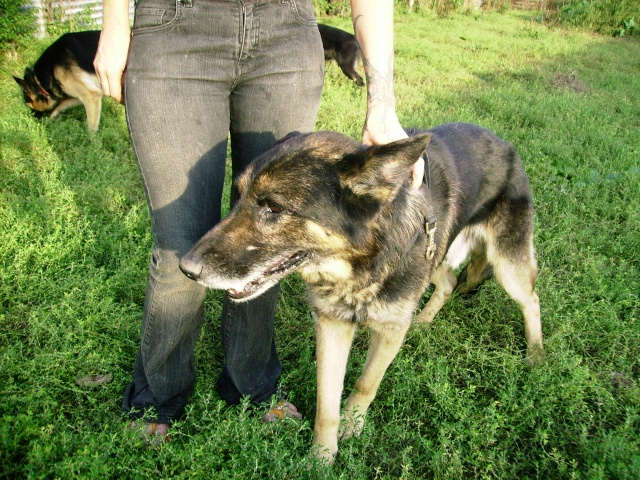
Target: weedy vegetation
x=459, y=401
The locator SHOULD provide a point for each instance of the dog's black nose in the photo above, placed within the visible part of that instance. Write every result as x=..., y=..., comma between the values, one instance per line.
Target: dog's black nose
x=190, y=266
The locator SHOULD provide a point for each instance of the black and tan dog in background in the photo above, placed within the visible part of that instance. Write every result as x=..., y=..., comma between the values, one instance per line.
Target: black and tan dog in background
x=368, y=245
x=342, y=47
x=64, y=77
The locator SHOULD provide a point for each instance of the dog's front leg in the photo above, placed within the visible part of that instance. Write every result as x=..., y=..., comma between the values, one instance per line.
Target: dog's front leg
x=386, y=341
x=63, y=106
x=93, y=106
x=333, y=343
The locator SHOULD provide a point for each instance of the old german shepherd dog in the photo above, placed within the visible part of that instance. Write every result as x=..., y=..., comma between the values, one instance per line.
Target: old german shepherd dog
x=64, y=77
x=368, y=245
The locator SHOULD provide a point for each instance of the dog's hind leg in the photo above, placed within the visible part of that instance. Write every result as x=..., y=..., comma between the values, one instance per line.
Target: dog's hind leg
x=386, y=341
x=518, y=280
x=333, y=343
x=477, y=271
x=445, y=282
x=352, y=73
x=348, y=63
x=467, y=243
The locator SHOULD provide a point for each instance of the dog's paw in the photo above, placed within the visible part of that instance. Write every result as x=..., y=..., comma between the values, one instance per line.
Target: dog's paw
x=351, y=425
x=535, y=355
x=426, y=316
x=324, y=456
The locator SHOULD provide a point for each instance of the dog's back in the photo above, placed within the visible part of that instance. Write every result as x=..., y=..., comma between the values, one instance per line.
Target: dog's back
x=71, y=50
x=471, y=169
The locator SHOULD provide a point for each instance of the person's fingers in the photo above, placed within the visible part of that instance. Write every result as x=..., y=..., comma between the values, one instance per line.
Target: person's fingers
x=417, y=173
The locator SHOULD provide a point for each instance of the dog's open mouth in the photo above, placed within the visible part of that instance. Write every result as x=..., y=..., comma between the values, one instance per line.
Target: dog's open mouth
x=271, y=275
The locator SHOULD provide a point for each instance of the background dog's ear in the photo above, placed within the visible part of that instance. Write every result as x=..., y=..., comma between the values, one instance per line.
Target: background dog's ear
x=379, y=171
x=20, y=82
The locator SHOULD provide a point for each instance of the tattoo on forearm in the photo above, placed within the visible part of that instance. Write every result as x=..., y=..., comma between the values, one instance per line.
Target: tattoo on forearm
x=380, y=95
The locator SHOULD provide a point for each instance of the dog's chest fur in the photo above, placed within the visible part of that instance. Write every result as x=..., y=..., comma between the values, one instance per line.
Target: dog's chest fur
x=368, y=305
x=347, y=300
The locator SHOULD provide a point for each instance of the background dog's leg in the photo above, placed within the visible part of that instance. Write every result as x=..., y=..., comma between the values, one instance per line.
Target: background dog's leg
x=349, y=69
x=444, y=281
x=518, y=281
x=385, y=343
x=93, y=105
x=333, y=343
x=63, y=106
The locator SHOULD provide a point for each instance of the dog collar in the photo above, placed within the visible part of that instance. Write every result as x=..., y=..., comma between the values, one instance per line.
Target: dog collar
x=430, y=229
x=430, y=223
x=41, y=89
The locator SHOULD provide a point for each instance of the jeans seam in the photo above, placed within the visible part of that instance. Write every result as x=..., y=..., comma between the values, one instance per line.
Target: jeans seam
x=150, y=301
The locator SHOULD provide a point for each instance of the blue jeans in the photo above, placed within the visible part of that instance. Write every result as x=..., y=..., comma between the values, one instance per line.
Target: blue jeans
x=200, y=72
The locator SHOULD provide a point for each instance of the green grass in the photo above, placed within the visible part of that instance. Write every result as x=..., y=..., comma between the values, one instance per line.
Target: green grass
x=608, y=17
x=458, y=401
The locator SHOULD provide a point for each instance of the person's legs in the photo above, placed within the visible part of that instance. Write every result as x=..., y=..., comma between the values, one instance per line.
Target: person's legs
x=180, y=71
x=278, y=89
x=184, y=61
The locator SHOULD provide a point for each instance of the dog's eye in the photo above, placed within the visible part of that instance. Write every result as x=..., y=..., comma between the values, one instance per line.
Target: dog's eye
x=270, y=206
x=273, y=207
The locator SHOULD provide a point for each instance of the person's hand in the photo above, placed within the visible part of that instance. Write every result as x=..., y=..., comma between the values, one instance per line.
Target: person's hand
x=384, y=127
x=111, y=59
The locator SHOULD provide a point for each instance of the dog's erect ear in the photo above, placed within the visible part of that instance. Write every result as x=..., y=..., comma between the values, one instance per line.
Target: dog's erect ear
x=20, y=82
x=379, y=171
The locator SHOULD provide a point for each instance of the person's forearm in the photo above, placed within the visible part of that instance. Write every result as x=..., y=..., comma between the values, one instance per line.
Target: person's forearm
x=113, y=48
x=374, y=31
x=373, y=27
x=115, y=15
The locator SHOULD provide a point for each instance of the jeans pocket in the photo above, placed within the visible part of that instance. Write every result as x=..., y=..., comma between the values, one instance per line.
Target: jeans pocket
x=154, y=15
x=303, y=11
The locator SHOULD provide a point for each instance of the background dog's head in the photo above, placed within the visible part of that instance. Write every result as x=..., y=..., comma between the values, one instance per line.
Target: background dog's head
x=35, y=96
x=307, y=199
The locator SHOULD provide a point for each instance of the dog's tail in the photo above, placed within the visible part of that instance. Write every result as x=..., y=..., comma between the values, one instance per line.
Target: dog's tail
x=471, y=278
